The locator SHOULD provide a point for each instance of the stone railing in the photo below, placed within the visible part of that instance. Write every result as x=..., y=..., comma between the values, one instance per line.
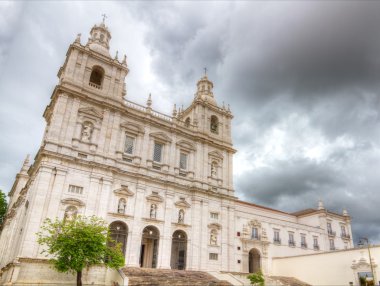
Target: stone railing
x=94, y=85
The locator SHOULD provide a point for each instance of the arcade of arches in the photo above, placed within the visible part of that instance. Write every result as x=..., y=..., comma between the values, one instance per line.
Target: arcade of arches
x=150, y=243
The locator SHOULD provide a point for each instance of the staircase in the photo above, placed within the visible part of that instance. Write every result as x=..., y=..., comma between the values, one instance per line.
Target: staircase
x=163, y=277
x=288, y=281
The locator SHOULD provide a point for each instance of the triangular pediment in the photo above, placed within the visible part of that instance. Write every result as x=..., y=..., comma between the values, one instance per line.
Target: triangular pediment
x=182, y=204
x=124, y=191
x=155, y=198
x=216, y=154
x=214, y=226
x=186, y=144
x=72, y=201
x=90, y=111
x=161, y=136
x=132, y=127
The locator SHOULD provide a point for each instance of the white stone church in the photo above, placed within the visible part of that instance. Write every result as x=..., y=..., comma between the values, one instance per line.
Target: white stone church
x=163, y=183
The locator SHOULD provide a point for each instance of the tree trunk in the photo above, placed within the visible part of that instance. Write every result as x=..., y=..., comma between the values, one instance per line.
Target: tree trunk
x=79, y=278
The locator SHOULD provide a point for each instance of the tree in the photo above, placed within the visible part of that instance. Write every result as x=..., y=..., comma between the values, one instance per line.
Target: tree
x=79, y=242
x=257, y=278
x=3, y=206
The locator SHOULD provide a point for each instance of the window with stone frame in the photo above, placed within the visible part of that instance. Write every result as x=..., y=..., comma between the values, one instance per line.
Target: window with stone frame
x=213, y=256
x=129, y=144
x=157, y=152
x=303, y=241
x=315, y=242
x=332, y=244
x=291, y=239
x=75, y=189
x=255, y=233
x=183, y=161
x=276, y=236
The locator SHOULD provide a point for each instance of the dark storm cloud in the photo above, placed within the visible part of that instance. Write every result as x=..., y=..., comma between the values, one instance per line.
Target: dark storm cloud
x=317, y=62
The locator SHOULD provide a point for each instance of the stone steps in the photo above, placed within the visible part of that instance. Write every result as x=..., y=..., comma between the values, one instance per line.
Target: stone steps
x=164, y=277
x=288, y=281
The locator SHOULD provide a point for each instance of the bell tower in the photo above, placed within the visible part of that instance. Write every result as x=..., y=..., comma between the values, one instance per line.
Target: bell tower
x=91, y=70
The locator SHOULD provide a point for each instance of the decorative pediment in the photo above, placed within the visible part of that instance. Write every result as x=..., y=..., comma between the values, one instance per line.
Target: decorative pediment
x=132, y=127
x=182, y=204
x=216, y=154
x=72, y=201
x=214, y=226
x=161, y=136
x=154, y=197
x=91, y=112
x=124, y=191
x=186, y=145
x=254, y=223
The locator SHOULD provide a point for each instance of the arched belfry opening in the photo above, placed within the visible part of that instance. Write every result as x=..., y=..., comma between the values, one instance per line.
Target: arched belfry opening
x=119, y=233
x=214, y=124
x=97, y=75
x=254, y=261
x=149, y=247
x=179, y=249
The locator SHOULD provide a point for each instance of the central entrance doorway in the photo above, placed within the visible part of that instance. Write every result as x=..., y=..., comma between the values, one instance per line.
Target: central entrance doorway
x=179, y=246
x=149, y=247
x=254, y=260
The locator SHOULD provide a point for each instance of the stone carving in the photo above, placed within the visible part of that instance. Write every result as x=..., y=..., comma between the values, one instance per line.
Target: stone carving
x=121, y=206
x=87, y=129
x=153, y=211
x=213, y=238
x=181, y=216
x=214, y=167
x=70, y=213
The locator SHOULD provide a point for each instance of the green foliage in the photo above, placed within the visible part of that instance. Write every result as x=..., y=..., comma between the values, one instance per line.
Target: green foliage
x=3, y=206
x=79, y=243
x=257, y=278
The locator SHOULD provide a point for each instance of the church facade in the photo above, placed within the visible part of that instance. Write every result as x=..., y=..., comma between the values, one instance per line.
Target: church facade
x=163, y=183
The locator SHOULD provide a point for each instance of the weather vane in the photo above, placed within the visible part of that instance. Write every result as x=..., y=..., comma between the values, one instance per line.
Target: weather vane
x=104, y=17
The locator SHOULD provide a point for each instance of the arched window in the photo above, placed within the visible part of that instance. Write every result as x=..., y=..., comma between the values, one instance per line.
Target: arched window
x=70, y=213
x=153, y=211
x=181, y=216
x=121, y=206
x=96, y=78
x=187, y=122
x=214, y=124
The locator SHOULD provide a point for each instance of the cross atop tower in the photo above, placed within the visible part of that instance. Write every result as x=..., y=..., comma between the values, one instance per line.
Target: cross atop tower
x=205, y=69
x=104, y=17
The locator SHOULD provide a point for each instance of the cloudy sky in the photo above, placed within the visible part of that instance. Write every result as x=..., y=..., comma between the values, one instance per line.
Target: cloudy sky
x=302, y=78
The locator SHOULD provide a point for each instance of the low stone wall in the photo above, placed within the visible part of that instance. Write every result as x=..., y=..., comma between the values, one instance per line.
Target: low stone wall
x=339, y=267
x=27, y=271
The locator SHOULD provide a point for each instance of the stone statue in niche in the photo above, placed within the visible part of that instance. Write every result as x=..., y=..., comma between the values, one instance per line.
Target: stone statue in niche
x=213, y=169
x=153, y=211
x=70, y=213
x=87, y=129
x=213, y=238
x=121, y=207
x=181, y=216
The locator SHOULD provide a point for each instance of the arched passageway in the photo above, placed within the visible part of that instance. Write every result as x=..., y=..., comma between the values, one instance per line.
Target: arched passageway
x=149, y=247
x=254, y=260
x=119, y=233
x=179, y=249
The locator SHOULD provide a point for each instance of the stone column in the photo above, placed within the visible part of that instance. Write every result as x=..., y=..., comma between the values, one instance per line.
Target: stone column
x=166, y=242
x=224, y=237
x=133, y=251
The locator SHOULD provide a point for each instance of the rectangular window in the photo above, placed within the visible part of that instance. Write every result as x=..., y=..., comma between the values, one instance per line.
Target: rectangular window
x=213, y=256
x=183, y=161
x=255, y=233
x=343, y=230
x=276, y=237
x=329, y=229
x=303, y=241
x=157, y=154
x=332, y=245
x=291, y=239
x=75, y=189
x=129, y=142
x=214, y=215
x=315, y=243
